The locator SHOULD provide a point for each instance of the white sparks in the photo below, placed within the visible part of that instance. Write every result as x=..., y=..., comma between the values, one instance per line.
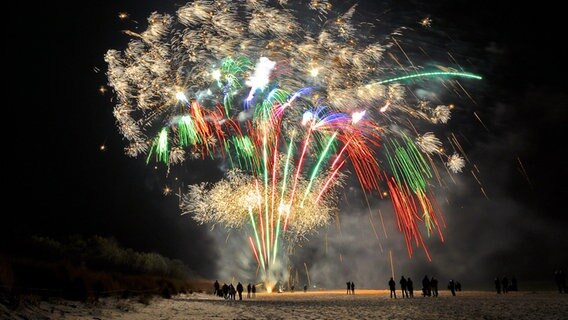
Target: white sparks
x=357, y=116
x=216, y=74
x=307, y=117
x=441, y=114
x=314, y=72
x=181, y=97
x=385, y=107
x=455, y=163
x=429, y=143
x=261, y=76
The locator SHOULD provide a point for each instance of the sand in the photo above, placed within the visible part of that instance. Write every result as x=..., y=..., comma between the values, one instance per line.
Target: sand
x=365, y=304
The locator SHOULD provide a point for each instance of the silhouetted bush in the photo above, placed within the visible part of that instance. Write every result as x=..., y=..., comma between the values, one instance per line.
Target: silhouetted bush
x=101, y=253
x=12, y=300
x=86, y=269
x=126, y=294
x=6, y=273
x=166, y=292
x=76, y=290
x=145, y=299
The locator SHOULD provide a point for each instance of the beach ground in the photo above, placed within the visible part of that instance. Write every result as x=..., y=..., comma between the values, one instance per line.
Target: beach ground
x=328, y=304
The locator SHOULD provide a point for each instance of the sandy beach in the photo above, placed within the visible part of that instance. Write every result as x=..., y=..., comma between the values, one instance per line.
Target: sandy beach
x=329, y=304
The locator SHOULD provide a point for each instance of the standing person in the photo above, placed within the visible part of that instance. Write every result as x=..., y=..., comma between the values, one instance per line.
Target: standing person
x=403, y=284
x=434, y=286
x=352, y=287
x=452, y=287
x=254, y=291
x=216, y=288
x=392, y=287
x=232, y=292
x=498, y=285
x=305, y=288
x=248, y=290
x=458, y=286
x=560, y=279
x=225, y=289
x=240, y=290
x=505, y=284
x=348, y=287
x=410, y=287
x=425, y=286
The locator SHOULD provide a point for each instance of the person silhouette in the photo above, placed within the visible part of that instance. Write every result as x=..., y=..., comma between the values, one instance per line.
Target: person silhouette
x=403, y=283
x=248, y=290
x=452, y=287
x=305, y=288
x=352, y=287
x=560, y=279
x=505, y=282
x=434, y=286
x=498, y=285
x=225, y=289
x=240, y=290
x=410, y=287
x=392, y=287
x=425, y=286
x=232, y=292
x=348, y=287
x=254, y=291
x=216, y=287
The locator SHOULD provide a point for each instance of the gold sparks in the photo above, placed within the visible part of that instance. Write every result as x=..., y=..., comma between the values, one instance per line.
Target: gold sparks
x=426, y=22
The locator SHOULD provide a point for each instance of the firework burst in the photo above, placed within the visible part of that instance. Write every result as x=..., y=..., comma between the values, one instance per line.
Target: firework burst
x=288, y=103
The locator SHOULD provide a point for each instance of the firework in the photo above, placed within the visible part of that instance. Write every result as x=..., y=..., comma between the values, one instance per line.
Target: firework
x=287, y=107
x=455, y=163
x=428, y=143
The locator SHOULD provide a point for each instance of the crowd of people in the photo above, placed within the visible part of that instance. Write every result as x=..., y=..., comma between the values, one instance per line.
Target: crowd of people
x=504, y=285
x=429, y=287
x=229, y=292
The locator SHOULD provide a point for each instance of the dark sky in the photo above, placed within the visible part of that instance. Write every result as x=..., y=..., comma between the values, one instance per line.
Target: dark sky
x=60, y=183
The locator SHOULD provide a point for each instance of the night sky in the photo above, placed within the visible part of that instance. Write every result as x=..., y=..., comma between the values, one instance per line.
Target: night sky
x=60, y=182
